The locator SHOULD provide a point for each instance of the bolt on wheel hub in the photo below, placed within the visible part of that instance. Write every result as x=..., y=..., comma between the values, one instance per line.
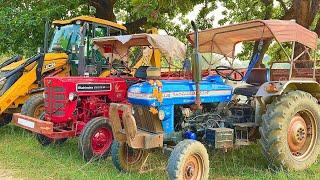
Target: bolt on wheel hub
x=301, y=134
x=297, y=133
x=193, y=167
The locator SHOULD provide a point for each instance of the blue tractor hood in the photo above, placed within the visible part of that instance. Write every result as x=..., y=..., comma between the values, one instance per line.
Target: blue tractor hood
x=175, y=92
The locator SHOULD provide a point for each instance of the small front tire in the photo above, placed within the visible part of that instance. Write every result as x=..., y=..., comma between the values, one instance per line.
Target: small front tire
x=95, y=139
x=127, y=159
x=46, y=141
x=188, y=160
x=5, y=119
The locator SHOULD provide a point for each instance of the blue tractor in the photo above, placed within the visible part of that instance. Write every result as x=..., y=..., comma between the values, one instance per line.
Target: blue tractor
x=175, y=115
x=188, y=116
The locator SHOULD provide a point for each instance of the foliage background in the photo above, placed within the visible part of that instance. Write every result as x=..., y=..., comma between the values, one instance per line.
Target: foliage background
x=22, y=21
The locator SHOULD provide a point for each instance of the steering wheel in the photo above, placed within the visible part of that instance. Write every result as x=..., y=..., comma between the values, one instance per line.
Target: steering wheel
x=229, y=73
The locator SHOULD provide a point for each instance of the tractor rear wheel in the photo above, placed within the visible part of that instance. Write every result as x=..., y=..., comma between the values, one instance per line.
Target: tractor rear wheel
x=95, y=139
x=34, y=106
x=127, y=159
x=188, y=160
x=5, y=119
x=46, y=141
x=290, y=131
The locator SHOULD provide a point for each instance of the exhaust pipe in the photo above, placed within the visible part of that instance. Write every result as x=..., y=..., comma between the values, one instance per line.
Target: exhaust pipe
x=196, y=66
x=46, y=36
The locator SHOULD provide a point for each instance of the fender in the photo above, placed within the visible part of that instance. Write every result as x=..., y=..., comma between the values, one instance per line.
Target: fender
x=308, y=85
x=263, y=97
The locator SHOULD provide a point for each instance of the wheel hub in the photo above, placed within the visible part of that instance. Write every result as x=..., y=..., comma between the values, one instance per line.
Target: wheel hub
x=189, y=171
x=133, y=155
x=193, y=167
x=297, y=133
x=101, y=140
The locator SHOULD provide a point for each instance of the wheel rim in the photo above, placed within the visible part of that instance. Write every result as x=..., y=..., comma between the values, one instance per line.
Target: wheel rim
x=101, y=141
x=302, y=135
x=193, y=167
x=132, y=156
x=38, y=110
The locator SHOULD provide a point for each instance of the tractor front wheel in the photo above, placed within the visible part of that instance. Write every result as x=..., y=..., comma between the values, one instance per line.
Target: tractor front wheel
x=5, y=119
x=290, y=131
x=96, y=139
x=127, y=159
x=188, y=160
x=46, y=141
x=34, y=106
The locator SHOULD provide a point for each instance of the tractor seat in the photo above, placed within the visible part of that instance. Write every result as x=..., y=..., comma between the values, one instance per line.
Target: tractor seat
x=247, y=90
x=257, y=77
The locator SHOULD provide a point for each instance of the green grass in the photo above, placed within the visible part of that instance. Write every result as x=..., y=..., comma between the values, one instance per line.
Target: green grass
x=22, y=154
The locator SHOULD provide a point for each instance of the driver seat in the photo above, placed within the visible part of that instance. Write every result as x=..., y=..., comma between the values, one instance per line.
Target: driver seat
x=257, y=77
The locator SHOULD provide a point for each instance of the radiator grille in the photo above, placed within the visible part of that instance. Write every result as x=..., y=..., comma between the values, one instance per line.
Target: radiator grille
x=55, y=99
x=146, y=120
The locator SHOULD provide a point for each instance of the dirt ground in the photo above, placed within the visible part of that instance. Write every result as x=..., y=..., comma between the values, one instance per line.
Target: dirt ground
x=7, y=175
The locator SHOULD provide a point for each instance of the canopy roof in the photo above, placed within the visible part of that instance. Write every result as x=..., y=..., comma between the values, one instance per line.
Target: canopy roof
x=222, y=40
x=168, y=45
x=90, y=19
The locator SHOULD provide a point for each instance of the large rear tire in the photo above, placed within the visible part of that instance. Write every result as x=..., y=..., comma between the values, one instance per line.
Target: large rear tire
x=290, y=129
x=127, y=159
x=188, y=160
x=34, y=106
x=95, y=139
x=5, y=119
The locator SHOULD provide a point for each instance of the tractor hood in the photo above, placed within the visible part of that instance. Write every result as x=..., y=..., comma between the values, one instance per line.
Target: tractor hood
x=48, y=57
x=173, y=92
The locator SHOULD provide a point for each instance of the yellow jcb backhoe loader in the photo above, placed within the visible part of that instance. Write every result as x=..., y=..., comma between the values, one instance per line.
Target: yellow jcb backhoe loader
x=69, y=53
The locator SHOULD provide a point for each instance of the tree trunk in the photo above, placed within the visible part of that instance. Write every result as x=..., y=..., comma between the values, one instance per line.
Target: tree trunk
x=302, y=15
x=266, y=43
x=317, y=30
x=104, y=9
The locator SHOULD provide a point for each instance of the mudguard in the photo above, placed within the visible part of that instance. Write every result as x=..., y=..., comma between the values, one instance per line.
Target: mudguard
x=307, y=85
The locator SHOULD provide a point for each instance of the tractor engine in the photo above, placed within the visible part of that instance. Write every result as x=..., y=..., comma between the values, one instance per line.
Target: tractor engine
x=71, y=102
x=168, y=107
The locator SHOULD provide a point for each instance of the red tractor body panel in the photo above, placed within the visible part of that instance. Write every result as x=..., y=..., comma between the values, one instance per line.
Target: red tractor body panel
x=92, y=98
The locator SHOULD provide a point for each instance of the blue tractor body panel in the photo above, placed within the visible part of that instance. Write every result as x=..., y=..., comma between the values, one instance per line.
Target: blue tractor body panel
x=178, y=92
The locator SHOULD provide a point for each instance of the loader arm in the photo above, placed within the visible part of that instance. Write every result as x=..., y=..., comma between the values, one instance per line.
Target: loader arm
x=19, y=88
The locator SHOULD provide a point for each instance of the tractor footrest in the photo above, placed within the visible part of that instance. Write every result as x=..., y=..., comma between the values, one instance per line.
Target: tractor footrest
x=242, y=131
x=242, y=142
x=245, y=125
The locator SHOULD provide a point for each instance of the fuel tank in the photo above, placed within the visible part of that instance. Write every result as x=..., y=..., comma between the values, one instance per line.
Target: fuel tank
x=171, y=92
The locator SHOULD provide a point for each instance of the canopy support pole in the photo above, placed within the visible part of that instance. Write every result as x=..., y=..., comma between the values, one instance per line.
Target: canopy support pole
x=292, y=56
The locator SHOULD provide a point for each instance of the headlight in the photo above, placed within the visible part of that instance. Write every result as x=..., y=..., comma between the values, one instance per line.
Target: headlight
x=72, y=96
x=161, y=115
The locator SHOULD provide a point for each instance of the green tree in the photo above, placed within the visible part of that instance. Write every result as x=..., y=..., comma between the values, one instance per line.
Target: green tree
x=22, y=21
x=305, y=12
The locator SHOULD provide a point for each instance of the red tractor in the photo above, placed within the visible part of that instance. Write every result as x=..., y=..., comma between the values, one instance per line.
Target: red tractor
x=79, y=106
